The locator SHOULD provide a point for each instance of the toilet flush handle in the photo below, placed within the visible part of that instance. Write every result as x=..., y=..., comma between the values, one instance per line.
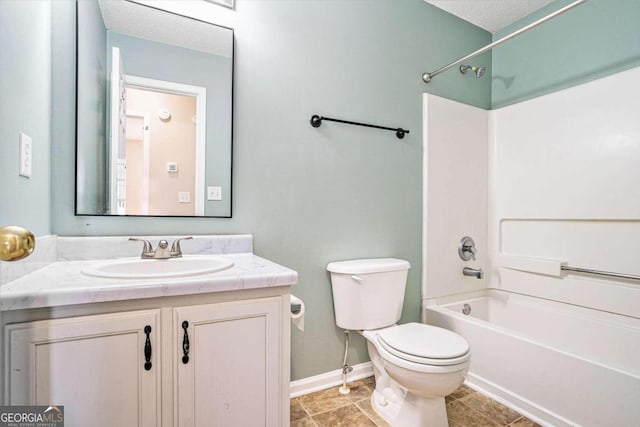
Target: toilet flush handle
x=357, y=278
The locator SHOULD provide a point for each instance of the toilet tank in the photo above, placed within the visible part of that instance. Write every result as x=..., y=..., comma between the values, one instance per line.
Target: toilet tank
x=368, y=293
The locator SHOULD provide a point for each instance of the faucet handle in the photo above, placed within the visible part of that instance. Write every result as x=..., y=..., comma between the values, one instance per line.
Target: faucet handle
x=176, y=251
x=471, y=249
x=147, y=248
x=467, y=249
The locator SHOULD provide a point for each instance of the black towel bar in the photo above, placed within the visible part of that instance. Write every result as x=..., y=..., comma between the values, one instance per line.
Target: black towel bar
x=316, y=121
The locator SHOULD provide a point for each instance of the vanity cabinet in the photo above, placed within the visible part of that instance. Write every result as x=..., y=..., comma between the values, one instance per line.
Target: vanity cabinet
x=93, y=365
x=215, y=360
x=231, y=364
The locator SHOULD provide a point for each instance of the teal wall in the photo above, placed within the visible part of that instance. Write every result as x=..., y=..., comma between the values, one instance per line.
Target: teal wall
x=593, y=40
x=92, y=107
x=25, y=102
x=310, y=196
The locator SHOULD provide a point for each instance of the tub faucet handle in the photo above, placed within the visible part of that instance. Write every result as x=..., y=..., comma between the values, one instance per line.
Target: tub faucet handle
x=472, y=250
x=467, y=249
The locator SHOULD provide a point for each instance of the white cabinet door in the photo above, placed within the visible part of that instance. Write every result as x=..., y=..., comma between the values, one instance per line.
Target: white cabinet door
x=93, y=365
x=232, y=374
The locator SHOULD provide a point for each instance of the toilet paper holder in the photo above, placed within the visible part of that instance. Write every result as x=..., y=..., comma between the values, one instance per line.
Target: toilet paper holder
x=297, y=311
x=296, y=307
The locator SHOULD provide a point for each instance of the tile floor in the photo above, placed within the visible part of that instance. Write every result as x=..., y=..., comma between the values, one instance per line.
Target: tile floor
x=465, y=408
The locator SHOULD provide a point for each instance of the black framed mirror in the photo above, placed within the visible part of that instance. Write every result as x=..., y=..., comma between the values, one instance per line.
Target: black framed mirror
x=154, y=112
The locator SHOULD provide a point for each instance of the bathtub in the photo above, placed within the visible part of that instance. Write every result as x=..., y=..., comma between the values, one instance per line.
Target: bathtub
x=562, y=365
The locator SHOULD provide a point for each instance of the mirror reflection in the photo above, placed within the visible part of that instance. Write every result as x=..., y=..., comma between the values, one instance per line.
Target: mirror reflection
x=154, y=112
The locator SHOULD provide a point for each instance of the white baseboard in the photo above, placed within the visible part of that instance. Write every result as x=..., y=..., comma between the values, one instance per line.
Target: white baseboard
x=329, y=379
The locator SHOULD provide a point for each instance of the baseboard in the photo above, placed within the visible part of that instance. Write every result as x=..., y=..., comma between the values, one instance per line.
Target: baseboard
x=523, y=406
x=329, y=379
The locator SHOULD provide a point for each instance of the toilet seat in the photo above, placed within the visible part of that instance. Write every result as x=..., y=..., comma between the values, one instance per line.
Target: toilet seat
x=424, y=344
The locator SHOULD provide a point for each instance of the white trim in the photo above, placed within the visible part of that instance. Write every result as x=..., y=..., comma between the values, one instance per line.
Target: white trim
x=201, y=114
x=201, y=122
x=529, y=409
x=146, y=155
x=164, y=86
x=146, y=147
x=114, y=128
x=329, y=379
x=425, y=187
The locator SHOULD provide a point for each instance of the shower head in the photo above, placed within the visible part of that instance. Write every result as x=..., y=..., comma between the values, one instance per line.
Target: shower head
x=478, y=70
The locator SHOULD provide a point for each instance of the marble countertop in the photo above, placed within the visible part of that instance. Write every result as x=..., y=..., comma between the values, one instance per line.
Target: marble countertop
x=62, y=283
x=57, y=278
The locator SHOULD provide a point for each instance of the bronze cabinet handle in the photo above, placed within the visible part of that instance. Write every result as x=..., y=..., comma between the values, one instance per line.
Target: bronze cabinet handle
x=185, y=343
x=147, y=349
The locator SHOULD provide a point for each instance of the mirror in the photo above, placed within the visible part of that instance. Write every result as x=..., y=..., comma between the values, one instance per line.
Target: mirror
x=154, y=112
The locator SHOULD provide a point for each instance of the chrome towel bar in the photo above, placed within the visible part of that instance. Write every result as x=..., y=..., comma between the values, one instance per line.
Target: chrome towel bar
x=600, y=273
x=553, y=267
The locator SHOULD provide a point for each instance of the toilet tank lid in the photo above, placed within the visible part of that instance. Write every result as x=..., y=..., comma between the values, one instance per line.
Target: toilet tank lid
x=364, y=266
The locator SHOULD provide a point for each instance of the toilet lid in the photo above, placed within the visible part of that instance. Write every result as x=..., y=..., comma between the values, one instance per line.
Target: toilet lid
x=426, y=344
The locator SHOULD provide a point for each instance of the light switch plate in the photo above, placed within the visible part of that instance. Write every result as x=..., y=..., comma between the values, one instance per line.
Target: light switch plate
x=214, y=193
x=26, y=155
x=184, y=197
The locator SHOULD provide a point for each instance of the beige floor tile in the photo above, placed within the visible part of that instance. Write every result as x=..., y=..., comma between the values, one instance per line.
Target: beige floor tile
x=461, y=415
x=359, y=391
x=465, y=408
x=524, y=422
x=347, y=416
x=365, y=406
x=462, y=391
x=490, y=408
x=303, y=422
x=370, y=381
x=297, y=411
x=323, y=401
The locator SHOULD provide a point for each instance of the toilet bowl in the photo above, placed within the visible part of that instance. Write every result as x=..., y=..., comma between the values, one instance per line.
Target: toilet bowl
x=415, y=365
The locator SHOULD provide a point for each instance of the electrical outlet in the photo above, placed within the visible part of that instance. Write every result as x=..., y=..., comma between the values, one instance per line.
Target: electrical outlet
x=26, y=155
x=214, y=193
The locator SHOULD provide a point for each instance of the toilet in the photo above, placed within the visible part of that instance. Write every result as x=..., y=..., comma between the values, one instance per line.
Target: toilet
x=415, y=365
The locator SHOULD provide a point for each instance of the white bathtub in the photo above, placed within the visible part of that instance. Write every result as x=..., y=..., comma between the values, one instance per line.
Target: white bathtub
x=560, y=364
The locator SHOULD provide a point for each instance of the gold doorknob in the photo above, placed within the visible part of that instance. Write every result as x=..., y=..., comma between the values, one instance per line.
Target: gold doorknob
x=16, y=243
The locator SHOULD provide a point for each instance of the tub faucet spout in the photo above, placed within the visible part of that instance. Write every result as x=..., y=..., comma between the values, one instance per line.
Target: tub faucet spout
x=474, y=272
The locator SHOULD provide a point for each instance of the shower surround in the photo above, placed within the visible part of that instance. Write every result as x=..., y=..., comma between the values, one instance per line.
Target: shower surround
x=561, y=185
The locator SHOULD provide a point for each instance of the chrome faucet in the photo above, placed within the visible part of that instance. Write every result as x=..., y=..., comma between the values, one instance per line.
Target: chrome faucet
x=162, y=251
x=473, y=272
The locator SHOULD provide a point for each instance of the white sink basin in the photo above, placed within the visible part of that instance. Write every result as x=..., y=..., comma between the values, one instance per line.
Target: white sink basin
x=159, y=268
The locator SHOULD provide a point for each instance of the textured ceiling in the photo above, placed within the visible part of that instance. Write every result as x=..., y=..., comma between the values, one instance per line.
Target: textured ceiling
x=130, y=18
x=492, y=15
